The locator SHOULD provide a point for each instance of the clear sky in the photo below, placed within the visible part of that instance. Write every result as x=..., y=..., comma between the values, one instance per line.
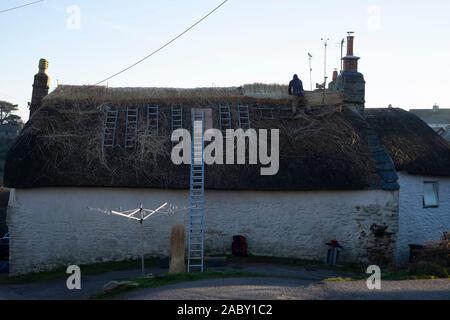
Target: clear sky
x=404, y=45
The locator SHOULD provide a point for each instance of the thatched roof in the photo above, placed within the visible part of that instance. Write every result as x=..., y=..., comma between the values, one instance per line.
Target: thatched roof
x=61, y=145
x=332, y=149
x=413, y=145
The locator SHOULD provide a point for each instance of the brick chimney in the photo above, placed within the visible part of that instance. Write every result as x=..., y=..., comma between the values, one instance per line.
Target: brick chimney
x=351, y=82
x=41, y=85
x=332, y=84
x=350, y=61
x=335, y=75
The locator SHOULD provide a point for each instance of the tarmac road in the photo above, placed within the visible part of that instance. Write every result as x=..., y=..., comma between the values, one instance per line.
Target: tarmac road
x=280, y=282
x=294, y=289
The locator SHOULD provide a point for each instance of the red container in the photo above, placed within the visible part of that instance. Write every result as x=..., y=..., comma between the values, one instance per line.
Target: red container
x=239, y=247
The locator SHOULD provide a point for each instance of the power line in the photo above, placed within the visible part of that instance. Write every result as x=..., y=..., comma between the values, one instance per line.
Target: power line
x=165, y=45
x=21, y=6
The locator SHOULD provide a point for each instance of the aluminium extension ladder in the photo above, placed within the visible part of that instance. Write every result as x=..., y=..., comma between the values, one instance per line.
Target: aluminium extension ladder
x=197, y=196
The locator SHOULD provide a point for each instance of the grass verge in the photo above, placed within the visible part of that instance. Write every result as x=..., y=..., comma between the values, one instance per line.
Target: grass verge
x=409, y=273
x=399, y=275
x=89, y=269
x=174, y=279
x=307, y=264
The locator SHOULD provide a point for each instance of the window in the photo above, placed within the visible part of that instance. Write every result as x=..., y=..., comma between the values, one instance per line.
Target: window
x=431, y=195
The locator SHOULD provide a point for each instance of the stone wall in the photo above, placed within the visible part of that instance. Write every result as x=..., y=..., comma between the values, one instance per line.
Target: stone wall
x=352, y=85
x=53, y=227
x=417, y=224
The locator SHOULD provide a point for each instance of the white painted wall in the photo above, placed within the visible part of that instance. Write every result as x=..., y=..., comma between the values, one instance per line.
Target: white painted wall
x=52, y=227
x=419, y=225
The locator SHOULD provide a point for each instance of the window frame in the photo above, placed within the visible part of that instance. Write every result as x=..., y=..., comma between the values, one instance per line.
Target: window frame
x=435, y=186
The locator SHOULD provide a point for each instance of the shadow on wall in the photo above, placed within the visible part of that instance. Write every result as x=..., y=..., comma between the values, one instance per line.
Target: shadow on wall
x=4, y=198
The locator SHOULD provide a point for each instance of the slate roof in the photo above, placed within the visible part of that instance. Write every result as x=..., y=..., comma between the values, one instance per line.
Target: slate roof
x=440, y=116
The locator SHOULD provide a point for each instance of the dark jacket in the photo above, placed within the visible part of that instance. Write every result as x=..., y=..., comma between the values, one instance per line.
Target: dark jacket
x=296, y=87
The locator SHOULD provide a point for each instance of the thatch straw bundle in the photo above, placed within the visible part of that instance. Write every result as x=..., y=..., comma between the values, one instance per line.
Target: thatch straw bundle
x=263, y=93
x=177, y=245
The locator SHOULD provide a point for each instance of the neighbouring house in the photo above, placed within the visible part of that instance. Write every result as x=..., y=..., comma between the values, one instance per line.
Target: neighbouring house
x=422, y=159
x=446, y=134
x=87, y=146
x=437, y=118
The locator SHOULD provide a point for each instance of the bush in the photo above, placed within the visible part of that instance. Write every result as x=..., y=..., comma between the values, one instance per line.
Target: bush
x=5, y=144
x=424, y=268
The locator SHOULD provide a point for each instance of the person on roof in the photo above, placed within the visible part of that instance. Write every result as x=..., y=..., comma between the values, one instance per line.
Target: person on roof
x=297, y=93
x=296, y=87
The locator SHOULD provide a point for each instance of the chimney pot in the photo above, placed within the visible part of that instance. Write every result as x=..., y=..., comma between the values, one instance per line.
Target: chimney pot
x=41, y=86
x=350, y=40
x=43, y=66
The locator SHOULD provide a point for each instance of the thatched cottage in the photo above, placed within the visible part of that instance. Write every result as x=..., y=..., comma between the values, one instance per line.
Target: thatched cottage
x=345, y=173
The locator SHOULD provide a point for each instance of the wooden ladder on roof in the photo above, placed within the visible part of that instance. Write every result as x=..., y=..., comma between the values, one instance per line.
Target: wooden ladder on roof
x=109, y=129
x=224, y=117
x=177, y=122
x=152, y=120
x=177, y=117
x=131, y=128
x=244, y=117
